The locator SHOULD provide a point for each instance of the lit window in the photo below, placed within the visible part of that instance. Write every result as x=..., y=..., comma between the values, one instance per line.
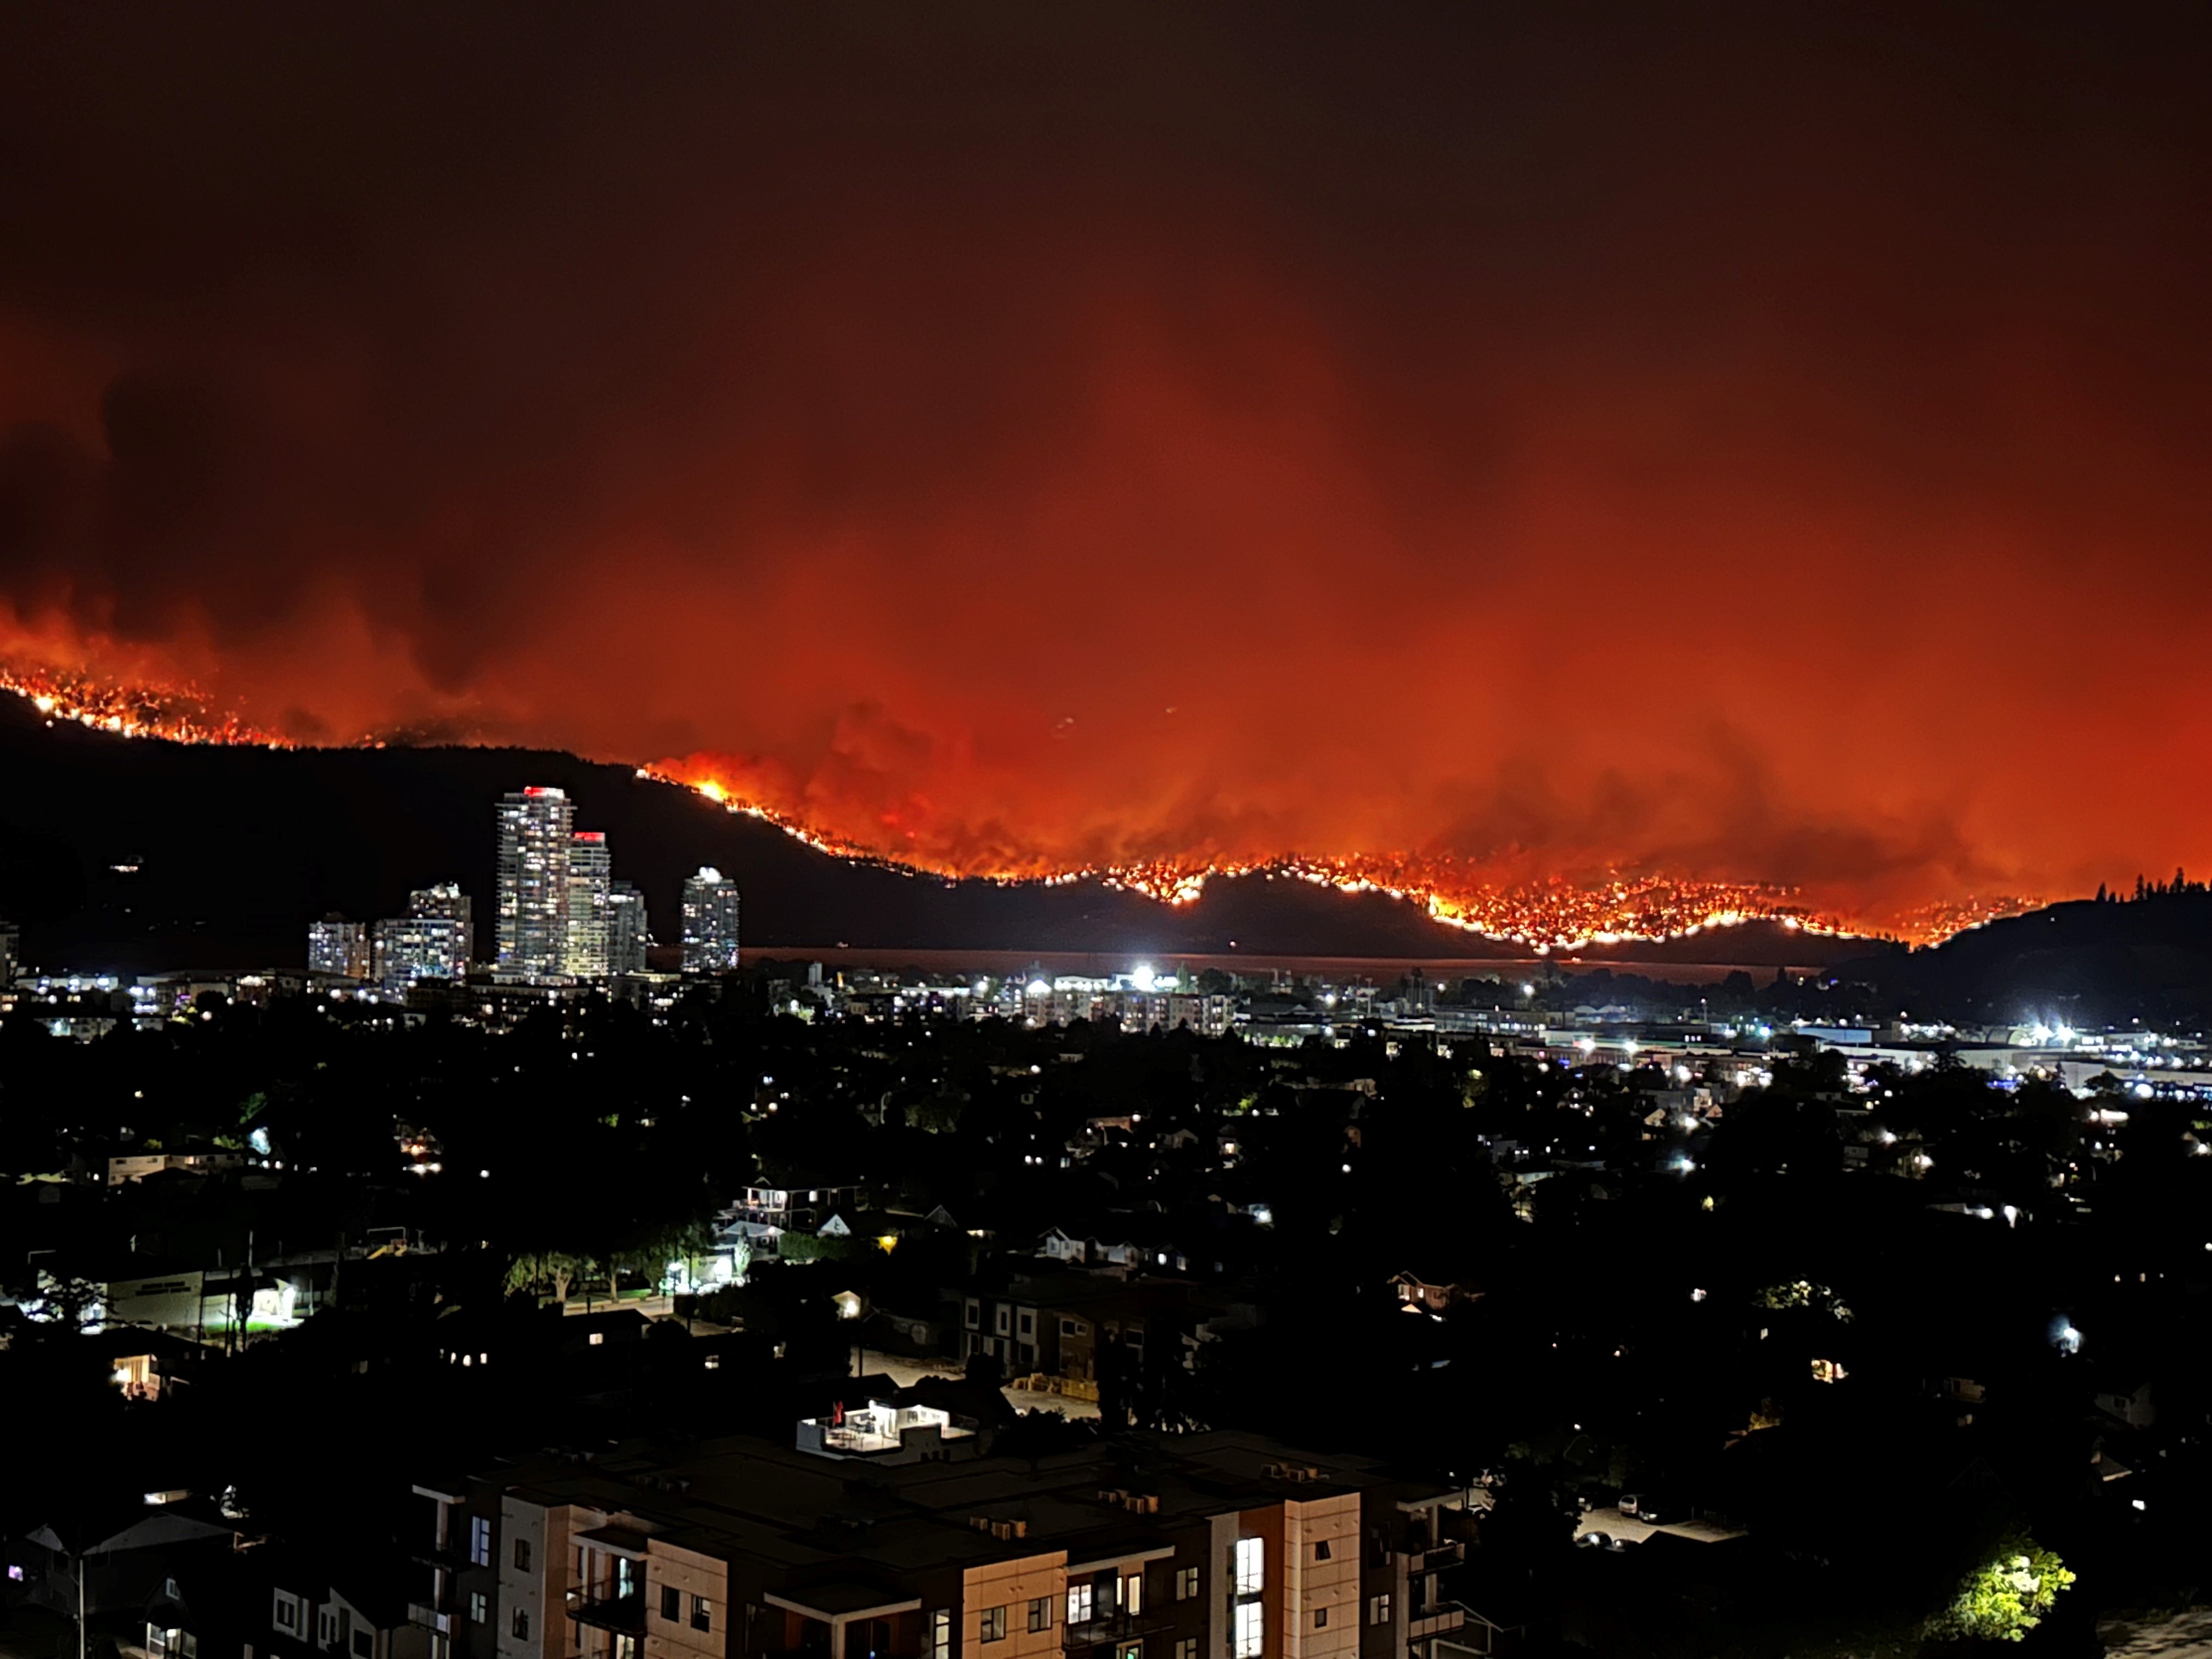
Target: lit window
x=1187, y=1648
x=1186, y=1583
x=940, y=1634
x=1249, y=1628
x=479, y=1541
x=1079, y=1604
x=479, y=1607
x=994, y=1623
x=1378, y=1609
x=597, y=1337
x=1132, y=1594
x=1251, y=1574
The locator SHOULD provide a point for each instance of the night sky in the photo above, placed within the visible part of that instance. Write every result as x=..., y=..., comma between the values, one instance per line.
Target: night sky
x=1754, y=443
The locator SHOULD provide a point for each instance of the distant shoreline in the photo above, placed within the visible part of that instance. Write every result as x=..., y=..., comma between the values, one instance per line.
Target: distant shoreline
x=1102, y=963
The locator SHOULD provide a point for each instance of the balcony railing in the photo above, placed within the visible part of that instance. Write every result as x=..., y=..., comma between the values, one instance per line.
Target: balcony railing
x=1436, y=1619
x=609, y=1609
x=1448, y=1553
x=1116, y=1626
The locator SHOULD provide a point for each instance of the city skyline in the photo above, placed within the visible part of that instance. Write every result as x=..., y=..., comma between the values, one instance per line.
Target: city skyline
x=561, y=914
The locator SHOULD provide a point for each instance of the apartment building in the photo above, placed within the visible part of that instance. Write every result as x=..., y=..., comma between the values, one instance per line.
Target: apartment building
x=1206, y=1547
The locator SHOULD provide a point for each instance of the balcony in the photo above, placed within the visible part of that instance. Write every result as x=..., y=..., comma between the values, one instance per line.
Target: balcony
x=1112, y=1627
x=609, y=1609
x=440, y=1620
x=1437, y=1618
x=1438, y=1557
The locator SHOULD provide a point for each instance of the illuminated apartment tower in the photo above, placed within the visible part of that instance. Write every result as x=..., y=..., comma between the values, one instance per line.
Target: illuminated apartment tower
x=584, y=951
x=630, y=932
x=407, y=949
x=446, y=901
x=536, y=826
x=710, y=922
x=338, y=947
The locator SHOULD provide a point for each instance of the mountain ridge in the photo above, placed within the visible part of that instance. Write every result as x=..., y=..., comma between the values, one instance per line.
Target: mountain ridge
x=237, y=848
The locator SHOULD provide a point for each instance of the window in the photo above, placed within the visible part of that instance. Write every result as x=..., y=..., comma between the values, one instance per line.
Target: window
x=1069, y=1327
x=1187, y=1648
x=364, y=1644
x=479, y=1607
x=995, y=1624
x=975, y=1317
x=1132, y=1650
x=671, y=1603
x=326, y=1629
x=479, y=1541
x=940, y=1634
x=1249, y=1629
x=1321, y=1618
x=1041, y=1614
x=1003, y=1315
x=597, y=1338
x=522, y=1555
x=288, y=1612
x=520, y=1624
x=1079, y=1604
x=701, y=1619
x=1028, y=1324
x=1251, y=1572
x=1186, y=1583
x=1378, y=1609
x=1133, y=1593
x=1321, y=1550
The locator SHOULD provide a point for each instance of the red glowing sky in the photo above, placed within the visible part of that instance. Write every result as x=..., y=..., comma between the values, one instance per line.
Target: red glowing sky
x=1754, y=444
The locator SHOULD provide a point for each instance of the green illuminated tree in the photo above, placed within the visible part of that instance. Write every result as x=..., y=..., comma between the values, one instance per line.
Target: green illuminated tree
x=2006, y=1596
x=541, y=1269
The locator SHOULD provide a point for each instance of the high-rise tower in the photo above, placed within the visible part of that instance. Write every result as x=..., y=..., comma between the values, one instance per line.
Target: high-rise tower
x=710, y=922
x=591, y=871
x=630, y=932
x=536, y=829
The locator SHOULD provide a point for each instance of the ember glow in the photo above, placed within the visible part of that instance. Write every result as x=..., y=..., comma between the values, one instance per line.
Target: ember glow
x=1547, y=916
x=1591, y=476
